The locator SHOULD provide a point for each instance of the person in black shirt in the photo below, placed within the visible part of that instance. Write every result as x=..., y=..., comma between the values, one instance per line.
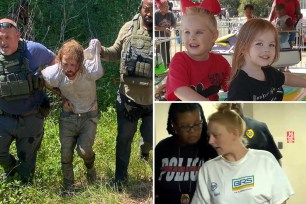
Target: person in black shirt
x=257, y=134
x=179, y=157
x=252, y=76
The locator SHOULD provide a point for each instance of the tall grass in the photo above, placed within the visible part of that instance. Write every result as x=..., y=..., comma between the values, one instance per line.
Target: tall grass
x=48, y=177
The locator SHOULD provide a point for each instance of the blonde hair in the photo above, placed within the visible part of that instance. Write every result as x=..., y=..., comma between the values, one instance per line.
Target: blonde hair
x=74, y=50
x=197, y=10
x=229, y=118
x=246, y=36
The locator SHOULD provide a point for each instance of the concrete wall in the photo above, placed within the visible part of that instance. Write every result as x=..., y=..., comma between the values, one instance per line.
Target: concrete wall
x=280, y=118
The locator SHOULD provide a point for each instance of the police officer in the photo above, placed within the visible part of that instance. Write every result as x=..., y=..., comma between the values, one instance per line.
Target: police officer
x=21, y=100
x=133, y=47
x=257, y=134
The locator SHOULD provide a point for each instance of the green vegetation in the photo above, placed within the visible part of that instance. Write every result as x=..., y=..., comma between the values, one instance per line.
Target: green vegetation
x=52, y=22
x=47, y=182
x=235, y=7
x=261, y=7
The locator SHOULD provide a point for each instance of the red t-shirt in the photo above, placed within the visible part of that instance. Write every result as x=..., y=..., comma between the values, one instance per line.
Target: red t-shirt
x=199, y=75
x=290, y=8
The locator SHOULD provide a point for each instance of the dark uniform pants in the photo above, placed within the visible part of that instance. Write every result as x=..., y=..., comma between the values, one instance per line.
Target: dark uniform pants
x=28, y=132
x=126, y=131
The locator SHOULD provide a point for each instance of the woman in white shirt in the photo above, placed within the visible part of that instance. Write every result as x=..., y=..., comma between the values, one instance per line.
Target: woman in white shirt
x=238, y=175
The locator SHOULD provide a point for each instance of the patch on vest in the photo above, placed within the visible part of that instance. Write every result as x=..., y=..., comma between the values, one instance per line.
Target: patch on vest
x=249, y=133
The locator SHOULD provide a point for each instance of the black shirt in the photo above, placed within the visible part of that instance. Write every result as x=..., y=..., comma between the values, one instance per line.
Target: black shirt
x=259, y=137
x=245, y=88
x=176, y=169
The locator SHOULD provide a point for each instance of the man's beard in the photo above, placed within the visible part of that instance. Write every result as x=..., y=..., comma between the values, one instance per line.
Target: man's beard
x=148, y=24
x=71, y=73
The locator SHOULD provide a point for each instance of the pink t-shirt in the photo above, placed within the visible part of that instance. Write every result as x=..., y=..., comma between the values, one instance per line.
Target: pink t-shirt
x=199, y=75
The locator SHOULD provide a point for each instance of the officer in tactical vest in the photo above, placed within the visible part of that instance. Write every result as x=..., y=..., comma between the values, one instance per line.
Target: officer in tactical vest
x=134, y=100
x=22, y=100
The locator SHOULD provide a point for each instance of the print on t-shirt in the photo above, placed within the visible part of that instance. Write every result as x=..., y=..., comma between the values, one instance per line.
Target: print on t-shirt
x=215, y=81
x=176, y=170
x=242, y=184
x=165, y=23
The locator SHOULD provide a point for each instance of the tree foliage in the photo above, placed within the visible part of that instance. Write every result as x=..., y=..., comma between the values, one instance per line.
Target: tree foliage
x=261, y=7
x=235, y=7
x=231, y=5
x=57, y=21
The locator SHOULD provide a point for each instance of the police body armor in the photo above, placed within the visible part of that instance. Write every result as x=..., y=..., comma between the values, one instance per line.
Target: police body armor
x=16, y=80
x=136, y=58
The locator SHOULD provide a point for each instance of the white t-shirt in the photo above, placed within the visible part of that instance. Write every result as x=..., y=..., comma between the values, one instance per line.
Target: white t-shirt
x=256, y=178
x=81, y=91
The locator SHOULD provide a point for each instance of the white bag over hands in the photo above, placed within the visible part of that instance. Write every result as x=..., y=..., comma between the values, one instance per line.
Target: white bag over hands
x=92, y=54
x=92, y=50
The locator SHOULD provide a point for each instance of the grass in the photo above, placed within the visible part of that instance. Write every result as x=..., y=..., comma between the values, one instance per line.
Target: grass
x=48, y=177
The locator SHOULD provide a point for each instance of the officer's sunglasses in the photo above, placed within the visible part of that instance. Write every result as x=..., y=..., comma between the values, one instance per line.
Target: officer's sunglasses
x=7, y=25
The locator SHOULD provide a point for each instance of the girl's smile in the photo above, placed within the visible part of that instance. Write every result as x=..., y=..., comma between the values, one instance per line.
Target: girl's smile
x=261, y=52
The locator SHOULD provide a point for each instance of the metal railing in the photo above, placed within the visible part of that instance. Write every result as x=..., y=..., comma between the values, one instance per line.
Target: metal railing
x=164, y=50
x=224, y=27
x=232, y=25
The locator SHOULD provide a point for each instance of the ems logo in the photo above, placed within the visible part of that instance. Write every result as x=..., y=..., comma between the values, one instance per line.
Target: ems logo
x=249, y=133
x=213, y=186
x=242, y=183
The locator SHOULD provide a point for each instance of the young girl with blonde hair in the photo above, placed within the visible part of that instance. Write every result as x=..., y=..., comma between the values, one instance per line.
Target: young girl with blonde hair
x=252, y=76
x=196, y=74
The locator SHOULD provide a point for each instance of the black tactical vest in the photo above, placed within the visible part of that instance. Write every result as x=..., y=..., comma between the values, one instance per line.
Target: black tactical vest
x=137, y=55
x=16, y=79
